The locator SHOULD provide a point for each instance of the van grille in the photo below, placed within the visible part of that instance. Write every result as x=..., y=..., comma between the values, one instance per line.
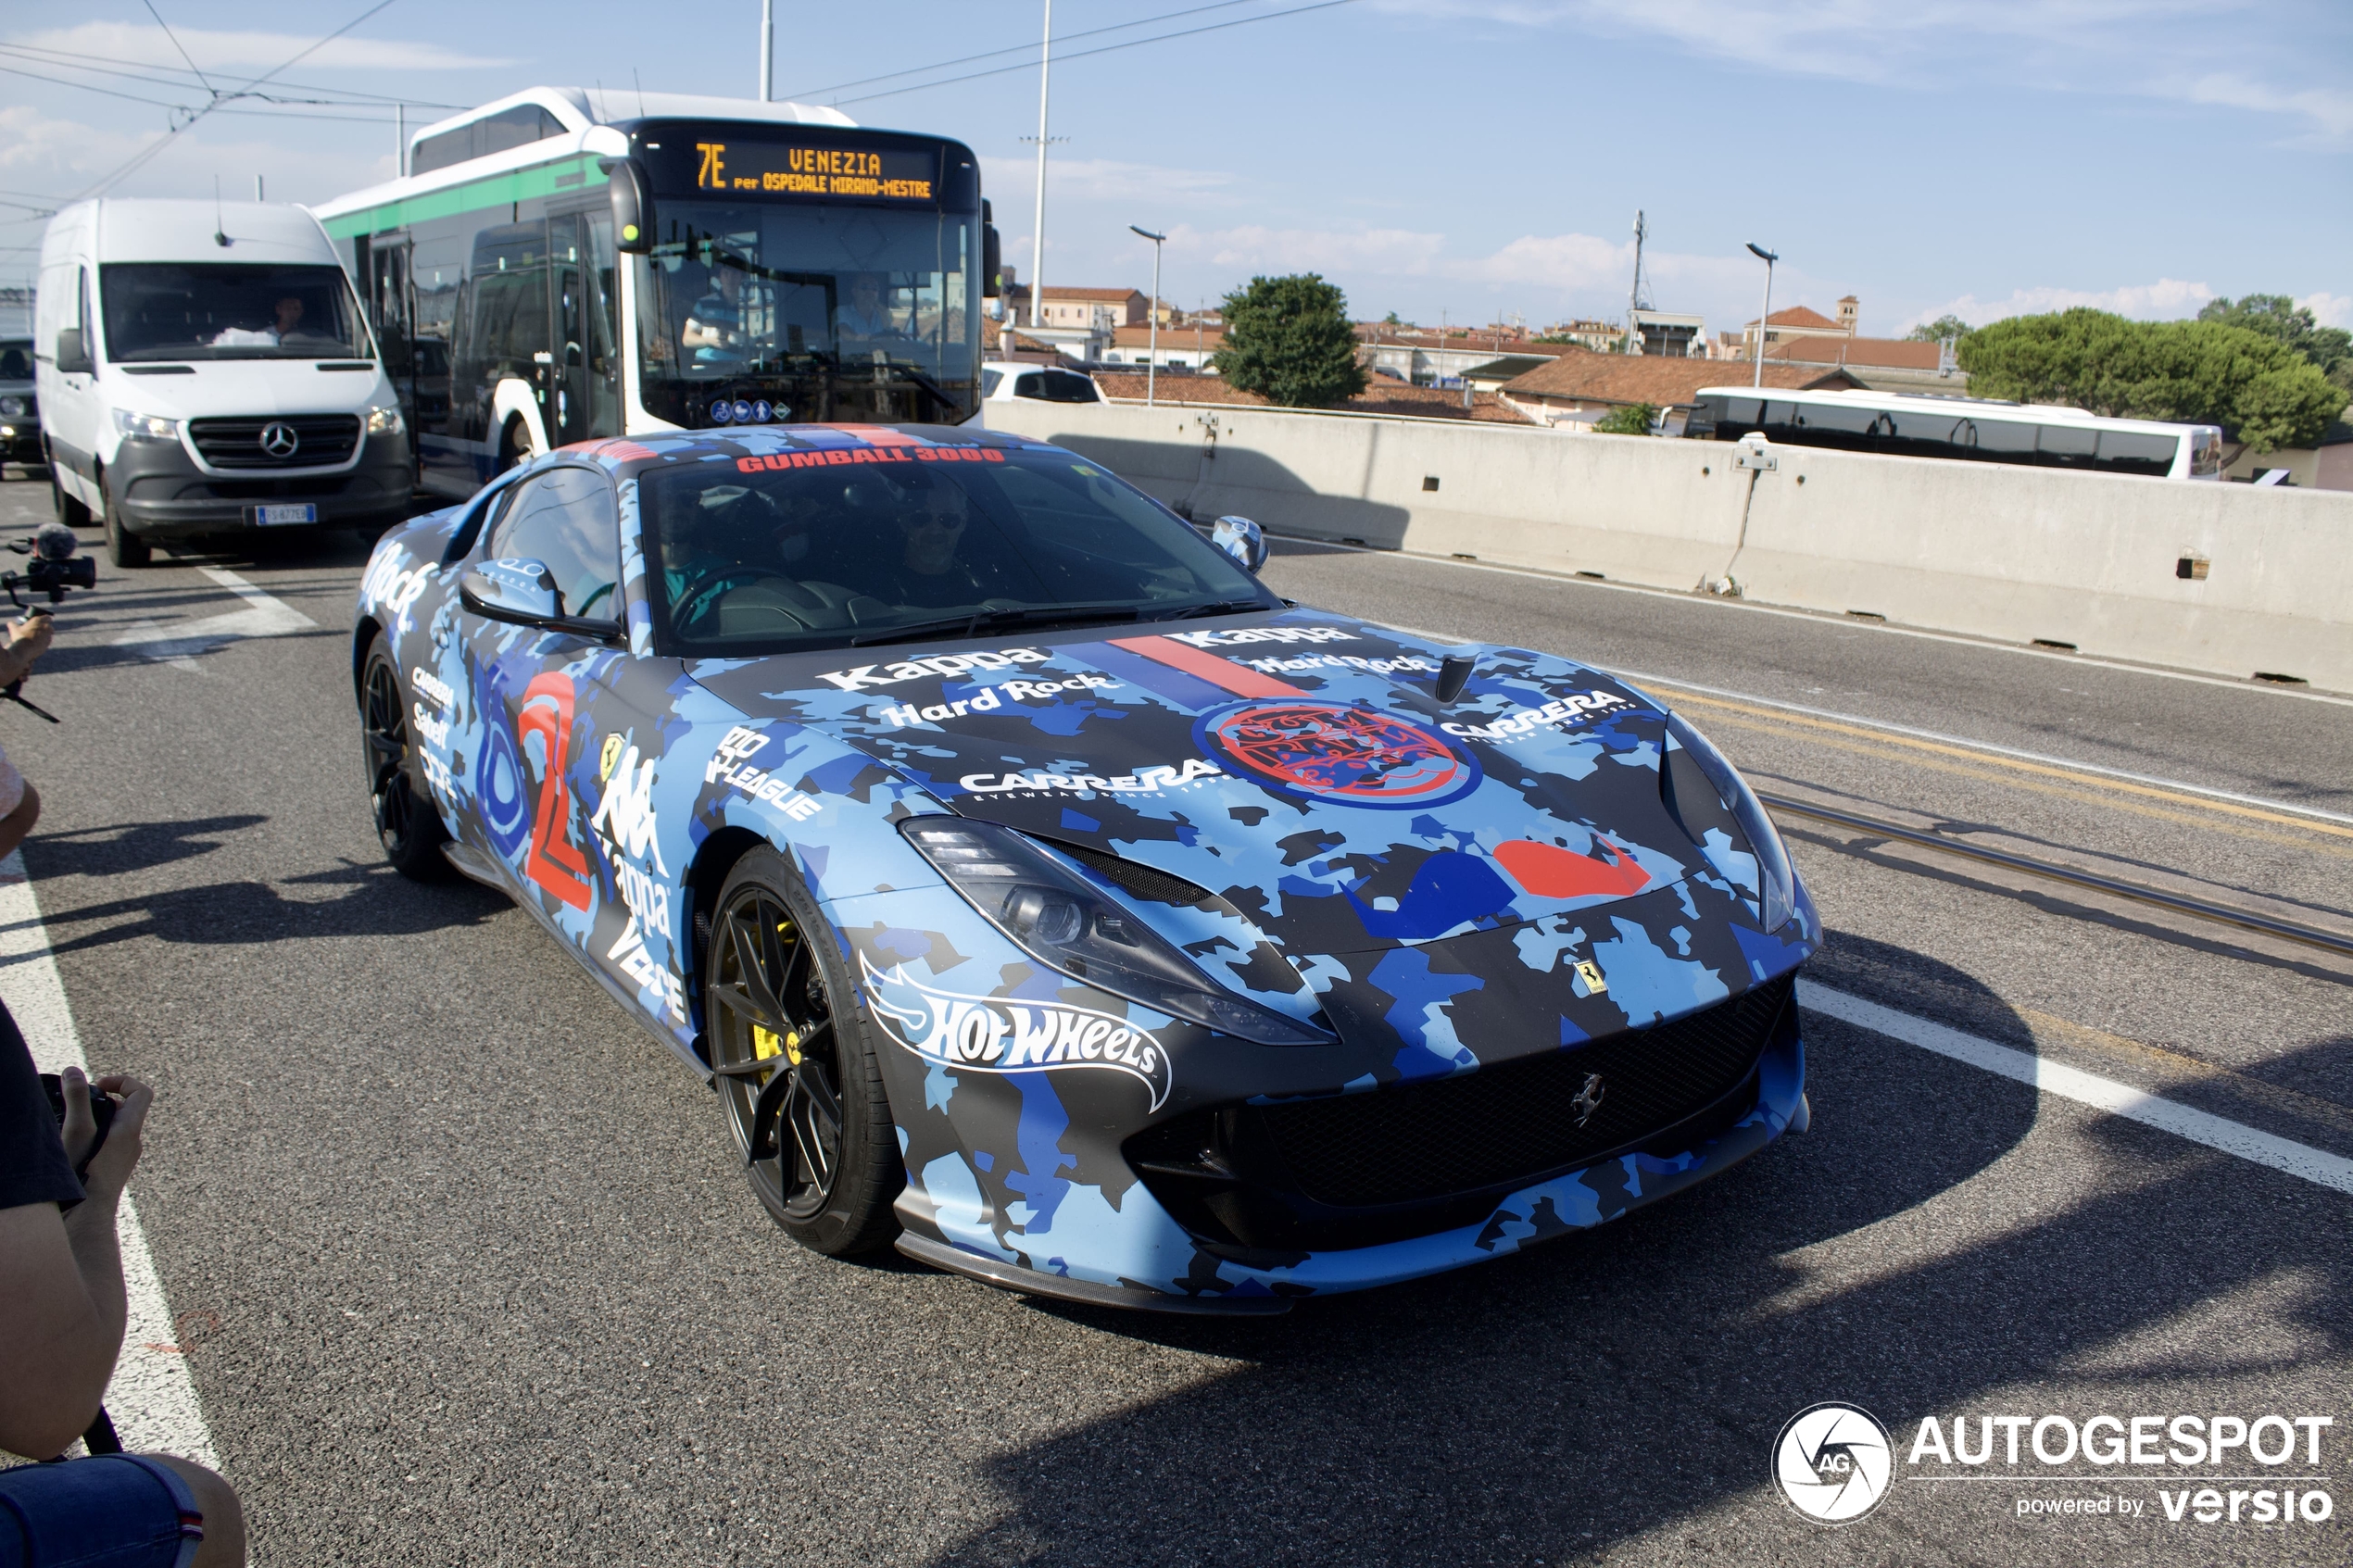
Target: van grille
x=319, y=440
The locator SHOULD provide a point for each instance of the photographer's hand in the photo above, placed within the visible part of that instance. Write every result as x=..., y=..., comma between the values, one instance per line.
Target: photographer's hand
x=26, y=640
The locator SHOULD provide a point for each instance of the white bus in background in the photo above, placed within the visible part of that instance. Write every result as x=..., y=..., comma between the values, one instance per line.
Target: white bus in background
x=565, y=264
x=1965, y=429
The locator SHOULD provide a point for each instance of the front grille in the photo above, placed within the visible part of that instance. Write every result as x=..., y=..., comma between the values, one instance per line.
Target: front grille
x=320, y=441
x=1415, y=1158
x=1517, y=1119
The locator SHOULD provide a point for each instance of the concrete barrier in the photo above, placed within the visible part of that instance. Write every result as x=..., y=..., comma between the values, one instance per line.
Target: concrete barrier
x=2021, y=555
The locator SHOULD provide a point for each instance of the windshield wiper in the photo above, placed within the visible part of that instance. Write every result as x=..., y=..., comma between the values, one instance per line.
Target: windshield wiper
x=1032, y=615
x=1217, y=607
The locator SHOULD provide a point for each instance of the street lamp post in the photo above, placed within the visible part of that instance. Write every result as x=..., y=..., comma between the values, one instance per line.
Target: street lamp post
x=1764, y=317
x=1152, y=360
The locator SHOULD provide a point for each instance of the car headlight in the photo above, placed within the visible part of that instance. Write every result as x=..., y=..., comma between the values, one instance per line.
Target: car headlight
x=385, y=421
x=12, y=408
x=1056, y=916
x=1777, y=880
x=145, y=427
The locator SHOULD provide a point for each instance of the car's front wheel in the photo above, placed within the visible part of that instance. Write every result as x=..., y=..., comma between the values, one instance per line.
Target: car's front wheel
x=795, y=1064
x=407, y=824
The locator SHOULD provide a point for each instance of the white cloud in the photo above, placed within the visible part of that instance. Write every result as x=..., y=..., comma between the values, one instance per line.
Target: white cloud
x=2330, y=310
x=1078, y=179
x=40, y=152
x=2328, y=112
x=2166, y=299
x=139, y=44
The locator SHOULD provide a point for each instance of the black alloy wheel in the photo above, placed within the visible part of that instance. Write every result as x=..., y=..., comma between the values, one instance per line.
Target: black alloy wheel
x=794, y=1064
x=407, y=827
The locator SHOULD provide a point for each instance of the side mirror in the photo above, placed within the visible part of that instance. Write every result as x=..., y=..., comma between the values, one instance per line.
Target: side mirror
x=992, y=261
x=73, y=358
x=517, y=590
x=631, y=194
x=523, y=592
x=1241, y=539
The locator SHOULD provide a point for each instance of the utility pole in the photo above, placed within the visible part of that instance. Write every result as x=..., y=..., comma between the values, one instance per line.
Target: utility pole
x=1151, y=361
x=1634, y=295
x=1037, y=235
x=1764, y=317
x=767, y=51
x=400, y=141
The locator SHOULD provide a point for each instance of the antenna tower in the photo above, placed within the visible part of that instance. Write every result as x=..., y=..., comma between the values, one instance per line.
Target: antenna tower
x=1634, y=300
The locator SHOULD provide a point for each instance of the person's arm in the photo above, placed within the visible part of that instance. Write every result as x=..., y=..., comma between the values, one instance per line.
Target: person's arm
x=26, y=640
x=62, y=1303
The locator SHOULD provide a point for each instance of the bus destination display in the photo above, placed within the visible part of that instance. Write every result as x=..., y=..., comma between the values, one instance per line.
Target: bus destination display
x=765, y=169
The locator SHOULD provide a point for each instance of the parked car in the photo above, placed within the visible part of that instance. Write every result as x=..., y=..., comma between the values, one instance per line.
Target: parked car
x=19, y=404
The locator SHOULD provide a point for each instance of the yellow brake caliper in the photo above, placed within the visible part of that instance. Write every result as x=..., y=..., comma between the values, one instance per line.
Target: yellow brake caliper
x=765, y=1043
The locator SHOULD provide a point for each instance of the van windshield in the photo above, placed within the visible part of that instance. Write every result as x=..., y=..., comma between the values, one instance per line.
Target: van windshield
x=213, y=311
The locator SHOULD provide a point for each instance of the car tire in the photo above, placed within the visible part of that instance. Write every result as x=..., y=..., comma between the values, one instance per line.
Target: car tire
x=70, y=510
x=821, y=1153
x=408, y=824
x=124, y=548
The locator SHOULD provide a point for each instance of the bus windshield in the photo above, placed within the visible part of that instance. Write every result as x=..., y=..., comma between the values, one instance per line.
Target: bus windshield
x=822, y=311
x=212, y=310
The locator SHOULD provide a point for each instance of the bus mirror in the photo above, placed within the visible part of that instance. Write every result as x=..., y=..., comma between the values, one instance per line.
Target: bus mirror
x=632, y=204
x=992, y=285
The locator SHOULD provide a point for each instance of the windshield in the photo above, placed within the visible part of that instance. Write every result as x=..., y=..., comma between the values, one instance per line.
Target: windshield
x=830, y=554
x=16, y=359
x=212, y=310
x=822, y=311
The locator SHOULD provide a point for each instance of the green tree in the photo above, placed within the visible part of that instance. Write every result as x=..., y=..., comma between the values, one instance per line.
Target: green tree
x=2278, y=317
x=1390, y=320
x=1939, y=329
x=2264, y=392
x=1288, y=340
x=1627, y=419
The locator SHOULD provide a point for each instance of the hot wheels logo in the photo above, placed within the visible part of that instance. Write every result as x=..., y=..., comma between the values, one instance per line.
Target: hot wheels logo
x=1011, y=1034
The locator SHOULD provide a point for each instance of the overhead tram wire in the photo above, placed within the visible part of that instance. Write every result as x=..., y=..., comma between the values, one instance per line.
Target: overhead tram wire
x=181, y=47
x=1016, y=49
x=171, y=76
x=148, y=154
x=1106, y=49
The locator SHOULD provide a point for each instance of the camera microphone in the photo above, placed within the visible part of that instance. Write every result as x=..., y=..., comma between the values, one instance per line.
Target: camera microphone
x=55, y=541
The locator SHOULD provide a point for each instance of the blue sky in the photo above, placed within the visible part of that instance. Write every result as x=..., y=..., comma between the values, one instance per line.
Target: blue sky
x=1481, y=157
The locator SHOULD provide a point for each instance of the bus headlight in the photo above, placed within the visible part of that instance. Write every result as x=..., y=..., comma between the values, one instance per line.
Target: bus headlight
x=145, y=427
x=385, y=421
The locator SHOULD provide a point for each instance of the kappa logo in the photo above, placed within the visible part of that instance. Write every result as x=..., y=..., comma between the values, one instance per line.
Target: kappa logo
x=1346, y=756
x=1241, y=635
x=869, y=676
x=1011, y=1034
x=1832, y=1462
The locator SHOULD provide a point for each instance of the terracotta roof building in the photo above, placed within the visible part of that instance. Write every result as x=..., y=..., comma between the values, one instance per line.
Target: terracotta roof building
x=1581, y=386
x=1099, y=308
x=1883, y=364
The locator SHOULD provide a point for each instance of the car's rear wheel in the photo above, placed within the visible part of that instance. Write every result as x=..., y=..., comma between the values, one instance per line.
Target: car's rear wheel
x=407, y=824
x=795, y=1064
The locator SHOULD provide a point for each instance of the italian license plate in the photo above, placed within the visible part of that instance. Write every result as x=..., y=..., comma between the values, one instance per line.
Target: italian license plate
x=277, y=517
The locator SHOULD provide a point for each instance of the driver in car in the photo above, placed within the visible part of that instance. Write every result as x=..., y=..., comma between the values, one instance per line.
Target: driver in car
x=927, y=565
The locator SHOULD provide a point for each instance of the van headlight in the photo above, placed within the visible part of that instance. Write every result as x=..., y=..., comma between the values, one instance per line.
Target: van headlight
x=1777, y=879
x=145, y=427
x=1057, y=916
x=385, y=421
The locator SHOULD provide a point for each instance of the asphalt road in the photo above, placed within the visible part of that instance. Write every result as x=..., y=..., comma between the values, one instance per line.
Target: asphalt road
x=466, y=1273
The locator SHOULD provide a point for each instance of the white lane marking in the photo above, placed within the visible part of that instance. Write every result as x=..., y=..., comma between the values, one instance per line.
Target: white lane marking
x=2086, y=1088
x=152, y=1398
x=177, y=642
x=1638, y=675
x=1826, y=618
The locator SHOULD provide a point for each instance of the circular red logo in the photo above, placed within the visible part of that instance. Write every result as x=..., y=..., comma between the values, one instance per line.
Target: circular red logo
x=1347, y=756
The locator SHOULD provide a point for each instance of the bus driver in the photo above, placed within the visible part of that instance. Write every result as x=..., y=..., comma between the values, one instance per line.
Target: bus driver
x=714, y=330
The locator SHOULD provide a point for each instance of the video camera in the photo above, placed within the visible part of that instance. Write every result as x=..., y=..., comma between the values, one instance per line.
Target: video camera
x=54, y=569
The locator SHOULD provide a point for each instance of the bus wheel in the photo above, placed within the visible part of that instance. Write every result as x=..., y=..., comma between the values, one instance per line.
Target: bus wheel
x=514, y=447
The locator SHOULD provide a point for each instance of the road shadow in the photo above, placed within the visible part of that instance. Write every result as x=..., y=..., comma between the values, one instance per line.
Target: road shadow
x=374, y=901
x=129, y=847
x=1558, y=1404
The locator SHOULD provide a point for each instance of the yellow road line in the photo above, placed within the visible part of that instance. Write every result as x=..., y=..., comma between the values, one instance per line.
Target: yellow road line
x=1772, y=717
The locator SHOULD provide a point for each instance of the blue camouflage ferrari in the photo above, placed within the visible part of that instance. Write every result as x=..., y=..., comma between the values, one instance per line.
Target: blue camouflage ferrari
x=1040, y=893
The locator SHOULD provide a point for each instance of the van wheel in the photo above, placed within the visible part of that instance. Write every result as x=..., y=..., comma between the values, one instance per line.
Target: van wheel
x=124, y=548
x=70, y=512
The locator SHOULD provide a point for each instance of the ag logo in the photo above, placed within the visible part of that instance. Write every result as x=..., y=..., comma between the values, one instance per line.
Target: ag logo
x=1832, y=1462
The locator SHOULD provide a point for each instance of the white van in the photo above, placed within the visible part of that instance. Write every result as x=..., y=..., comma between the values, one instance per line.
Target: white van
x=204, y=367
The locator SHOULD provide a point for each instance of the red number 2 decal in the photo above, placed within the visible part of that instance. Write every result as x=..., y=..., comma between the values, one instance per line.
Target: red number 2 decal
x=548, y=859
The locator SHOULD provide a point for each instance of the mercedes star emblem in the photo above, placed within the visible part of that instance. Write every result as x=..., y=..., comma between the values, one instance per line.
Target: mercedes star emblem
x=278, y=439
